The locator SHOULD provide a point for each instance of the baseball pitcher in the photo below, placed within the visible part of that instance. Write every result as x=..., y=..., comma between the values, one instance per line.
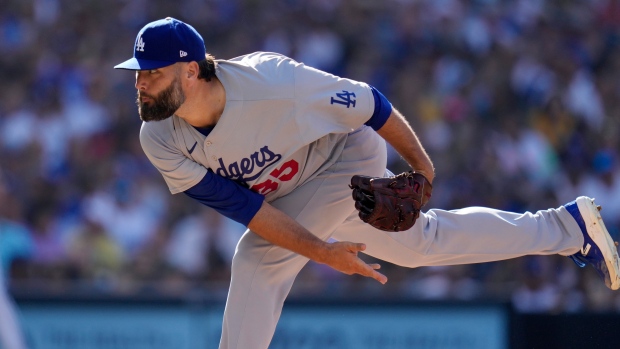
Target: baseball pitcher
x=299, y=156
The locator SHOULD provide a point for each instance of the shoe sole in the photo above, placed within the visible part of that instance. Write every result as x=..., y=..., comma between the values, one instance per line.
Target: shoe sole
x=598, y=233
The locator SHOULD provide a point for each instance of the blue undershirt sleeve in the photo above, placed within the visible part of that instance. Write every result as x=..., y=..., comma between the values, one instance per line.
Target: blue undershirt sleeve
x=383, y=109
x=227, y=197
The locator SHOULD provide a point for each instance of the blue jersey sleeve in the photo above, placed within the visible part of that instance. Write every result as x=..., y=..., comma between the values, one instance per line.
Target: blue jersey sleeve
x=383, y=109
x=227, y=197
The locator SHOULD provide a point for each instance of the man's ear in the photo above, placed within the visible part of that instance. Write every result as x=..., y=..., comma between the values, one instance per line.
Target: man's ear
x=192, y=70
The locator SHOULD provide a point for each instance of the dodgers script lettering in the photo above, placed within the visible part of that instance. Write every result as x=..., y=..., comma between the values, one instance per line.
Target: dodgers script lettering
x=238, y=170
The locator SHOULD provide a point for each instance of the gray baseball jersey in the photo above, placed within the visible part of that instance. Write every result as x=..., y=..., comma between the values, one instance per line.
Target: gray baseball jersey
x=276, y=131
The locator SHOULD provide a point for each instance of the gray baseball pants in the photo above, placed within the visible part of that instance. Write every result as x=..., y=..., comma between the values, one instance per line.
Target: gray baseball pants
x=262, y=273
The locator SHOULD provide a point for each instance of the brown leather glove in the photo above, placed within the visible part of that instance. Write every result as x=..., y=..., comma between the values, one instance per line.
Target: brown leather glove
x=391, y=203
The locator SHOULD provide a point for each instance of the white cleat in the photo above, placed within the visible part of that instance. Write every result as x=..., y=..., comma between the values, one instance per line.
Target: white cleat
x=599, y=249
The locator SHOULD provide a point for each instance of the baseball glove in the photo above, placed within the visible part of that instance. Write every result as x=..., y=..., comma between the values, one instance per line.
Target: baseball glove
x=391, y=203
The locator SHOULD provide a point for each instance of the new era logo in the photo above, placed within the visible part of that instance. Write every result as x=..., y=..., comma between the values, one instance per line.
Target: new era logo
x=182, y=53
x=140, y=45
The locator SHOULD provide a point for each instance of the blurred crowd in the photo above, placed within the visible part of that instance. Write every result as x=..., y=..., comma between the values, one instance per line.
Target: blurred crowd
x=517, y=102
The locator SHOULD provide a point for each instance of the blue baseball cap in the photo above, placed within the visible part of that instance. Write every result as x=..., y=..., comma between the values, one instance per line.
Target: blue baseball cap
x=163, y=43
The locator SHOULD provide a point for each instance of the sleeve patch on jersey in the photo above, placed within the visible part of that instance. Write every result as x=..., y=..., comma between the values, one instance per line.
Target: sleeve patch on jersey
x=345, y=98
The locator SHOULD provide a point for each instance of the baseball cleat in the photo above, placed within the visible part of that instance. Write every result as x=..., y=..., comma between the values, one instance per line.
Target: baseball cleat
x=598, y=249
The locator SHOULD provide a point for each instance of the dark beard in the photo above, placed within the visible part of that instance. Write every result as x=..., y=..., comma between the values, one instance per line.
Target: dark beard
x=164, y=105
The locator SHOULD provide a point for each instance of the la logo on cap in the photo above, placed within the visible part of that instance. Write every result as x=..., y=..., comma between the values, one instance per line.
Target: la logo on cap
x=140, y=45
